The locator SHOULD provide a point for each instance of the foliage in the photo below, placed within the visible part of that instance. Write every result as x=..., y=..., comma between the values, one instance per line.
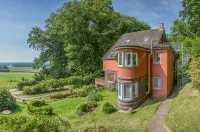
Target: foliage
x=85, y=108
x=88, y=87
x=77, y=35
x=194, y=71
x=94, y=96
x=190, y=13
x=76, y=81
x=61, y=95
x=7, y=101
x=23, y=83
x=108, y=108
x=21, y=123
x=39, y=107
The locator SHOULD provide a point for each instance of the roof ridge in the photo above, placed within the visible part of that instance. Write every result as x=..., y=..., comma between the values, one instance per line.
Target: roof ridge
x=140, y=31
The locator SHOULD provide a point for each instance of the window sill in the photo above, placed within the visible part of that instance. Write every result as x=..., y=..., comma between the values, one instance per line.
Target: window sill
x=157, y=89
x=128, y=66
x=156, y=63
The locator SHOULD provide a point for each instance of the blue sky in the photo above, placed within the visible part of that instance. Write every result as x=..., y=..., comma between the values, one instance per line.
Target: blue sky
x=19, y=16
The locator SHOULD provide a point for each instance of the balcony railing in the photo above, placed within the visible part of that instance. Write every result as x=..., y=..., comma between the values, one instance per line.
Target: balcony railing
x=100, y=81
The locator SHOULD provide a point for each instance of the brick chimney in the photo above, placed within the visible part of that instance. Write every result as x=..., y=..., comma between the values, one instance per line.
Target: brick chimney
x=161, y=25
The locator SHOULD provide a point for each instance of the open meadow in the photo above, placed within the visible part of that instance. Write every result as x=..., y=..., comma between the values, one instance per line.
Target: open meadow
x=9, y=79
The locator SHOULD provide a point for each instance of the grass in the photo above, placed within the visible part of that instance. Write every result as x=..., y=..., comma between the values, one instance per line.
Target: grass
x=66, y=109
x=9, y=79
x=184, y=115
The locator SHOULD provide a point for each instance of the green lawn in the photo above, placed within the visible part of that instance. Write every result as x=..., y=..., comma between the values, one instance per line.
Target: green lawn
x=184, y=115
x=66, y=109
x=7, y=77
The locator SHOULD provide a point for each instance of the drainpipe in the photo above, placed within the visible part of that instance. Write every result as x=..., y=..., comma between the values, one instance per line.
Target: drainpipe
x=149, y=68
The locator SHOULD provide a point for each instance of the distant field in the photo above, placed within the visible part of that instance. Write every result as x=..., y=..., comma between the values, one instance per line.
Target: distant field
x=22, y=69
x=9, y=79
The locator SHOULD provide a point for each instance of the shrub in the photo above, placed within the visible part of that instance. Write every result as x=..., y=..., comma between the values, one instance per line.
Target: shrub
x=61, y=95
x=88, y=87
x=22, y=84
x=39, y=107
x=38, y=88
x=94, y=96
x=39, y=123
x=86, y=108
x=76, y=81
x=7, y=101
x=108, y=108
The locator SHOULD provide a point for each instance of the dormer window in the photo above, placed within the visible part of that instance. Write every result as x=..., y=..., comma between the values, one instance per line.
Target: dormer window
x=146, y=39
x=112, y=55
x=126, y=42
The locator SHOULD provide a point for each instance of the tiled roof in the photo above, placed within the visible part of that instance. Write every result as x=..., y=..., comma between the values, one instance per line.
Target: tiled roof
x=137, y=39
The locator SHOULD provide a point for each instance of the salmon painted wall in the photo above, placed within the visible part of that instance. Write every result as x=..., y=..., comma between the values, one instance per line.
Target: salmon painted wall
x=160, y=70
x=170, y=71
x=129, y=72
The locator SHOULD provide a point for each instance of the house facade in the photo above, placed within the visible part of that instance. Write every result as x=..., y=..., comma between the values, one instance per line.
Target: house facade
x=141, y=65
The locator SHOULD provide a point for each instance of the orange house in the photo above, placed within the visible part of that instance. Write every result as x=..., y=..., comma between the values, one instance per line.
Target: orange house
x=141, y=65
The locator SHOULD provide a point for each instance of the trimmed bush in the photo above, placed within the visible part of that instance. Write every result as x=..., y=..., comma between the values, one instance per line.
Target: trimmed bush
x=108, y=108
x=61, y=95
x=94, y=96
x=22, y=84
x=39, y=107
x=86, y=108
x=39, y=123
x=7, y=101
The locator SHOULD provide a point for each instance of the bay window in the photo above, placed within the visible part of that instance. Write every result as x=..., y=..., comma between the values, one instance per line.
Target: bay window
x=127, y=59
x=127, y=91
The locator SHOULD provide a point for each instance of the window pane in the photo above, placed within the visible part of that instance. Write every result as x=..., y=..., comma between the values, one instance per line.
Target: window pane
x=127, y=91
x=128, y=59
x=134, y=94
x=156, y=83
x=134, y=58
x=120, y=59
x=157, y=57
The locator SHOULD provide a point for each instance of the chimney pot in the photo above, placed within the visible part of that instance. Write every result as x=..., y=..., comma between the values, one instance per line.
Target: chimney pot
x=161, y=25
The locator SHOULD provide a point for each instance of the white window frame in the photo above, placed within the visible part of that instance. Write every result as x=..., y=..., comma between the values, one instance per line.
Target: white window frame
x=131, y=91
x=136, y=58
x=154, y=61
x=132, y=95
x=122, y=55
x=120, y=89
x=125, y=59
x=157, y=88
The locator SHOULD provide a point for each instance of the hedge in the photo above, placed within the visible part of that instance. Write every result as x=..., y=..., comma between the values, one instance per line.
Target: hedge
x=39, y=123
x=22, y=84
